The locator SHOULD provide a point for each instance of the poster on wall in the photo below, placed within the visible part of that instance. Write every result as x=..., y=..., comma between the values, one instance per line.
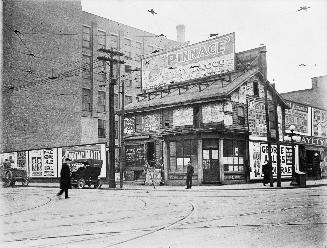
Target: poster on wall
x=96, y=151
x=298, y=115
x=129, y=125
x=319, y=122
x=210, y=57
x=151, y=122
x=257, y=118
x=183, y=117
x=43, y=163
x=259, y=153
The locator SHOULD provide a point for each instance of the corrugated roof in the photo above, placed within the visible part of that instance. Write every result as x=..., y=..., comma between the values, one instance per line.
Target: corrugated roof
x=214, y=90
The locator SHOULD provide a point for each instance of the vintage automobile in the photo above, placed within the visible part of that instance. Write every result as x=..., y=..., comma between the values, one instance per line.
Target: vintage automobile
x=9, y=176
x=86, y=172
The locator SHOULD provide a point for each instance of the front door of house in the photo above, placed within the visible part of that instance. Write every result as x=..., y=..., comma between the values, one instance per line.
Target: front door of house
x=210, y=160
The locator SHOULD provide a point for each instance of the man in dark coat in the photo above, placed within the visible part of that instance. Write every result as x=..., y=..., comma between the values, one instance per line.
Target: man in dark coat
x=266, y=172
x=65, y=183
x=316, y=166
x=189, y=174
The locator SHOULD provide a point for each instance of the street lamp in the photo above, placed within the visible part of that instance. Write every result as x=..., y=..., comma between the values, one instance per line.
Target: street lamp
x=292, y=136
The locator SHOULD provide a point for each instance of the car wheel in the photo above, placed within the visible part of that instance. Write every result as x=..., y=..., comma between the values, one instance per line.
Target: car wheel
x=81, y=183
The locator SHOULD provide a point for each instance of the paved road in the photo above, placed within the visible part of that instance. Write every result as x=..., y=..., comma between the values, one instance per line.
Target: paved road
x=225, y=216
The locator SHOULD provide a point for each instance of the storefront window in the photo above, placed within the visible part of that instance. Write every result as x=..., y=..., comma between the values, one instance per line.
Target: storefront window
x=233, y=152
x=181, y=152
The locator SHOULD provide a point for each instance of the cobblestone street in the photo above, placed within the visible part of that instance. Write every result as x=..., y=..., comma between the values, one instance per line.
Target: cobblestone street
x=249, y=215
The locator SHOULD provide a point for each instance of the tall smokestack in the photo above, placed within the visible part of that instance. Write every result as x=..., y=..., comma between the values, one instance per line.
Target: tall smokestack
x=180, y=33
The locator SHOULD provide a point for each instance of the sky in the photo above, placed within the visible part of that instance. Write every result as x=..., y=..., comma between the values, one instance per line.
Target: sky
x=291, y=37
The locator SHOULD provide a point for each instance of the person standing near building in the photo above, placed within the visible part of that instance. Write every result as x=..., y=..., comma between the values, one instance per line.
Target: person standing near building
x=65, y=182
x=316, y=165
x=189, y=174
x=266, y=172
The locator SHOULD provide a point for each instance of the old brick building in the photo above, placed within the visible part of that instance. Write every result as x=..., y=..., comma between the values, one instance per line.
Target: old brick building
x=308, y=113
x=54, y=89
x=204, y=105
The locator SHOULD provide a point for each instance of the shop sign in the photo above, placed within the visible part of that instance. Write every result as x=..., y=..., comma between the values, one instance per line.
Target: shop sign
x=206, y=58
x=314, y=140
x=259, y=153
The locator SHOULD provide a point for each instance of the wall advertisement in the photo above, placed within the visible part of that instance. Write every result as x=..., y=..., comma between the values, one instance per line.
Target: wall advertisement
x=182, y=117
x=319, y=122
x=206, y=58
x=96, y=151
x=43, y=163
x=259, y=153
x=298, y=115
x=257, y=118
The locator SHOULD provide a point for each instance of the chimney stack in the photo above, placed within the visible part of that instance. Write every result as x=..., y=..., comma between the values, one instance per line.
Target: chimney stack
x=180, y=33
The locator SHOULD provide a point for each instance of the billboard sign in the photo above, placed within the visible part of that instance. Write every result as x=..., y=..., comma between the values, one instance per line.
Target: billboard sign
x=259, y=153
x=210, y=57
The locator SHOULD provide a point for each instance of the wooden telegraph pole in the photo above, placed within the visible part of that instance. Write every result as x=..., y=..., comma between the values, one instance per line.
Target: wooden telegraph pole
x=268, y=132
x=110, y=166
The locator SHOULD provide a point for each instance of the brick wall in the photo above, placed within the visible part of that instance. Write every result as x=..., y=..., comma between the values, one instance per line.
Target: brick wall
x=41, y=39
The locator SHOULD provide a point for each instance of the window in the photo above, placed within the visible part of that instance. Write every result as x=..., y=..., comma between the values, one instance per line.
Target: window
x=241, y=115
x=86, y=36
x=86, y=100
x=101, y=101
x=127, y=42
x=182, y=152
x=128, y=68
x=255, y=88
x=114, y=41
x=234, y=152
x=101, y=128
x=116, y=129
x=138, y=45
x=101, y=39
x=128, y=100
x=86, y=67
x=116, y=101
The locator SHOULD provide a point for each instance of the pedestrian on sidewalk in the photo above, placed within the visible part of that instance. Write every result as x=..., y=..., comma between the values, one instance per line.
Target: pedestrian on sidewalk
x=189, y=174
x=65, y=182
x=316, y=166
x=266, y=172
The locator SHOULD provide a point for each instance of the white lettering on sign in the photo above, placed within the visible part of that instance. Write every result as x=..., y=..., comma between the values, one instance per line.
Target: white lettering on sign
x=203, y=59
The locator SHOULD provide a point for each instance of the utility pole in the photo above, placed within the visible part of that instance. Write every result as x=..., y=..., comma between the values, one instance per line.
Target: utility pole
x=268, y=133
x=279, y=171
x=122, y=143
x=110, y=167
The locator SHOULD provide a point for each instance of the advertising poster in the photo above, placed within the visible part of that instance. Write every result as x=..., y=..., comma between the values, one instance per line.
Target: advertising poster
x=202, y=59
x=22, y=159
x=35, y=163
x=151, y=122
x=319, y=123
x=96, y=151
x=129, y=125
x=297, y=115
x=257, y=118
x=259, y=153
x=183, y=117
x=43, y=163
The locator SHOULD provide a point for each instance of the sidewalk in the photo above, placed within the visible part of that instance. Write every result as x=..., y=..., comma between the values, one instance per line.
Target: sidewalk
x=246, y=186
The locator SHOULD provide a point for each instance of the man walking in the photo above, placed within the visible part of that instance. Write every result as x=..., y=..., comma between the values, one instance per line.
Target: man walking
x=189, y=174
x=65, y=183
